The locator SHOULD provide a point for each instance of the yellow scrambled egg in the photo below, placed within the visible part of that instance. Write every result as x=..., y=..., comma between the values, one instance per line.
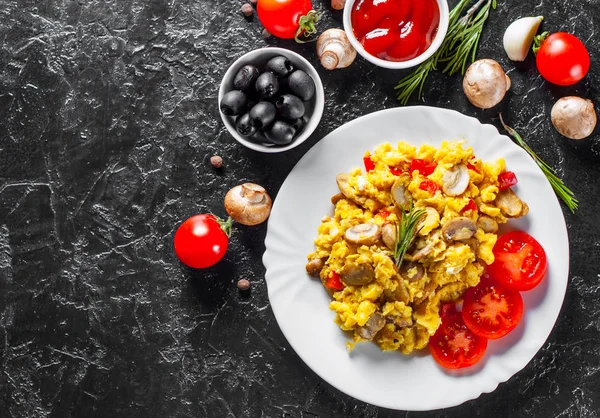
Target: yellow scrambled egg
x=398, y=308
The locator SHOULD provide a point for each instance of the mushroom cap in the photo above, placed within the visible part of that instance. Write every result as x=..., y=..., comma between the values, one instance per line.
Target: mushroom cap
x=388, y=235
x=510, y=204
x=485, y=83
x=248, y=203
x=400, y=192
x=456, y=180
x=574, y=117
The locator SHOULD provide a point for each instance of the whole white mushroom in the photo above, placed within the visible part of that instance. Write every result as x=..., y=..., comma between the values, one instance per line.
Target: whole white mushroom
x=574, y=117
x=485, y=83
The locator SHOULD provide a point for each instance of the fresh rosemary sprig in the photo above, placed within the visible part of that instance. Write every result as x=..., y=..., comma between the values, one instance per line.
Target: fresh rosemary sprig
x=406, y=230
x=560, y=188
x=460, y=44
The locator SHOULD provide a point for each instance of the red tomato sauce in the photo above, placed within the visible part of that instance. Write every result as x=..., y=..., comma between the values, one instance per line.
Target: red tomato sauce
x=395, y=30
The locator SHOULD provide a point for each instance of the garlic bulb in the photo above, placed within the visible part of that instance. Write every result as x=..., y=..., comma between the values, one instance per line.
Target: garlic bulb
x=334, y=49
x=519, y=35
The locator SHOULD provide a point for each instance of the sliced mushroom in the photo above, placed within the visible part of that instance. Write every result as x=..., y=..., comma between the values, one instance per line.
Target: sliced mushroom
x=399, y=321
x=363, y=234
x=401, y=293
x=510, y=204
x=487, y=224
x=400, y=193
x=337, y=197
x=429, y=288
x=357, y=274
x=459, y=229
x=419, y=254
x=388, y=234
x=314, y=267
x=374, y=324
x=473, y=243
x=411, y=271
x=342, y=182
x=456, y=180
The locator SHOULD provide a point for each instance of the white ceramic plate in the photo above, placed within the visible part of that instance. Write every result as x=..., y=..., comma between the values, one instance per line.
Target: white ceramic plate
x=301, y=304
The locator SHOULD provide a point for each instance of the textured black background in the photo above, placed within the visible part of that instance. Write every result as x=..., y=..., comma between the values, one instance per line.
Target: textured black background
x=108, y=118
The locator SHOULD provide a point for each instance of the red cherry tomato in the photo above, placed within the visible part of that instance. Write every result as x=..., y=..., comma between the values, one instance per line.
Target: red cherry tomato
x=281, y=17
x=506, y=179
x=200, y=241
x=454, y=346
x=520, y=261
x=491, y=310
x=562, y=59
x=429, y=186
x=423, y=166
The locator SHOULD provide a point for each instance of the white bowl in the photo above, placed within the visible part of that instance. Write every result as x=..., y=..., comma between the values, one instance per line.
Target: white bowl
x=437, y=41
x=258, y=58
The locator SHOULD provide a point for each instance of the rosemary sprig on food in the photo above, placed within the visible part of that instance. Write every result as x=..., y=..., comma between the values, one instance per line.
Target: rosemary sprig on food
x=560, y=188
x=460, y=44
x=406, y=230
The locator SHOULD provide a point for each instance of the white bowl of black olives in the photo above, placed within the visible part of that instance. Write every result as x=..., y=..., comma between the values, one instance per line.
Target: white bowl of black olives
x=271, y=99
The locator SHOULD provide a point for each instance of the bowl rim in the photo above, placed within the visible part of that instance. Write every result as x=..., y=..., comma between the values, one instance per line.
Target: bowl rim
x=319, y=98
x=399, y=65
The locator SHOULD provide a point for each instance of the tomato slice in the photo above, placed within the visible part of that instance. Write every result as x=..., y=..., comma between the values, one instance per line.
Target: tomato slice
x=491, y=310
x=506, y=179
x=520, y=261
x=454, y=346
x=423, y=166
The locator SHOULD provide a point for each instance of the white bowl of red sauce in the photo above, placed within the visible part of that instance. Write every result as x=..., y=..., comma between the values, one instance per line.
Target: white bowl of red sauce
x=396, y=34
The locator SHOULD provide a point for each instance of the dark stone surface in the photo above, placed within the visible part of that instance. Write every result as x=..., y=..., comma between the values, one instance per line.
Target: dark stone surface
x=108, y=118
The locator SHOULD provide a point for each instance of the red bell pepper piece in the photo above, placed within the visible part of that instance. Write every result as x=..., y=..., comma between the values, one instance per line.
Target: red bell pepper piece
x=334, y=282
x=429, y=186
x=469, y=206
x=506, y=179
x=369, y=164
x=423, y=166
x=396, y=171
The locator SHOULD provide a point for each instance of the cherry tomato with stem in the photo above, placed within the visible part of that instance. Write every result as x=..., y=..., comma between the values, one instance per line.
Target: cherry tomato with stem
x=202, y=240
x=454, y=345
x=491, y=310
x=520, y=261
x=561, y=58
x=288, y=19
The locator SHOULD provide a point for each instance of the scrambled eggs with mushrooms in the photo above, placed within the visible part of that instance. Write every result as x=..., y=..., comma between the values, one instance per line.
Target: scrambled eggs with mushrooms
x=398, y=308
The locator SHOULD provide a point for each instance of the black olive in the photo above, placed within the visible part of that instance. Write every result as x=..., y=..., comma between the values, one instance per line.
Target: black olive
x=263, y=114
x=244, y=125
x=280, y=66
x=267, y=85
x=290, y=107
x=281, y=133
x=299, y=125
x=301, y=84
x=233, y=103
x=245, y=77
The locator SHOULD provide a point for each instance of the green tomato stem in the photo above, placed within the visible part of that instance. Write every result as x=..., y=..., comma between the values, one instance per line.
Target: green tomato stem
x=307, y=27
x=226, y=225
